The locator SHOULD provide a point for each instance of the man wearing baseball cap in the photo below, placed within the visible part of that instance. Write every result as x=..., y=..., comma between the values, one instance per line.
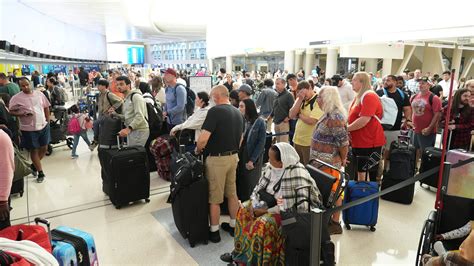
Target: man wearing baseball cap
x=244, y=92
x=175, y=108
x=426, y=109
x=345, y=90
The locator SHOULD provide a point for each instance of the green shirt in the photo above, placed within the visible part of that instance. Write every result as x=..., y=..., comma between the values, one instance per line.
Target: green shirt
x=11, y=88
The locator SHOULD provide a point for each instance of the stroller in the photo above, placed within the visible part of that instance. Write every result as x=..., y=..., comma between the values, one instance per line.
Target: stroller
x=58, y=129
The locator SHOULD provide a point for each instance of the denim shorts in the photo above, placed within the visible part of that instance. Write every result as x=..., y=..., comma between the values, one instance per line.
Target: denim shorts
x=31, y=140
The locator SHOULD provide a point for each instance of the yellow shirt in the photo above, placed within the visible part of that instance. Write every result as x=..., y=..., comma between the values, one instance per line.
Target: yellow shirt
x=304, y=132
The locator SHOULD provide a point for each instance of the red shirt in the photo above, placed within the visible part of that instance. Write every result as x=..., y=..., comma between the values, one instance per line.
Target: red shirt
x=371, y=135
x=423, y=111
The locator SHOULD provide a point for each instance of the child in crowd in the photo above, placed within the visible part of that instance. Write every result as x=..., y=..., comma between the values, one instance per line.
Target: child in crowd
x=77, y=127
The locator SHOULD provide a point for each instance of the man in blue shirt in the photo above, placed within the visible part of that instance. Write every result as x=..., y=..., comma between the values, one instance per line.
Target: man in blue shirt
x=175, y=108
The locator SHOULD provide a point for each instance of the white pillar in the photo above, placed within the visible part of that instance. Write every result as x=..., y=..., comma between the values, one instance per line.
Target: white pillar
x=309, y=62
x=298, y=60
x=456, y=63
x=289, y=60
x=387, y=67
x=370, y=65
x=228, y=64
x=317, y=62
x=210, y=65
x=331, y=62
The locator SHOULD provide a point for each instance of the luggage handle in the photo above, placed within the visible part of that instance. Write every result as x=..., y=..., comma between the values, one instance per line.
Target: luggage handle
x=119, y=145
x=334, y=195
x=47, y=224
x=297, y=203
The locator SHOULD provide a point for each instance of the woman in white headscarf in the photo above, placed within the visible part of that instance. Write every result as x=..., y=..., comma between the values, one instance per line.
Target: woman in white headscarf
x=258, y=219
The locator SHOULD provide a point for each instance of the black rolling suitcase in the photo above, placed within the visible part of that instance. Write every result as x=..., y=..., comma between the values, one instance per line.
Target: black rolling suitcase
x=430, y=158
x=402, y=167
x=189, y=198
x=18, y=187
x=125, y=174
x=351, y=168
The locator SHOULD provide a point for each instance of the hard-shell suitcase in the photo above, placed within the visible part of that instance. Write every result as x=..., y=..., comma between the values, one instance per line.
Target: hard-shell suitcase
x=457, y=155
x=363, y=214
x=430, y=158
x=18, y=187
x=402, y=167
x=73, y=247
x=189, y=200
x=127, y=178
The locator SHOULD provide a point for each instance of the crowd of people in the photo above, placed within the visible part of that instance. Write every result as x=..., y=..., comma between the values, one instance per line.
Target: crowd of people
x=315, y=118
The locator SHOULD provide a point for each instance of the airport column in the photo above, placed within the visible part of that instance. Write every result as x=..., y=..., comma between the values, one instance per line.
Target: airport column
x=371, y=65
x=298, y=60
x=228, y=64
x=387, y=66
x=210, y=65
x=289, y=60
x=309, y=61
x=331, y=62
x=456, y=62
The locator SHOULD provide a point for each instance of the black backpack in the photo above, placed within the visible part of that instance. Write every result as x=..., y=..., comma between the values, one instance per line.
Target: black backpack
x=190, y=99
x=155, y=116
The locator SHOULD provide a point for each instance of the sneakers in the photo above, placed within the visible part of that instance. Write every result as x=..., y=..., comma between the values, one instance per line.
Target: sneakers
x=74, y=156
x=227, y=257
x=34, y=172
x=93, y=145
x=40, y=178
x=214, y=237
x=334, y=227
x=226, y=227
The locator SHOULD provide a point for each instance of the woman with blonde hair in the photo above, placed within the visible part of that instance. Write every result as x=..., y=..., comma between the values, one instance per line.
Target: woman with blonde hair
x=330, y=141
x=366, y=132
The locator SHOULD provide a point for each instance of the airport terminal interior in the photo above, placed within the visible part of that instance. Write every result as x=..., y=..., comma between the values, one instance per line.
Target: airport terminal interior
x=247, y=49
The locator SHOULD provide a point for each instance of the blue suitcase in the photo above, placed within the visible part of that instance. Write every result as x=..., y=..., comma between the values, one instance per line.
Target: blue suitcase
x=365, y=213
x=73, y=247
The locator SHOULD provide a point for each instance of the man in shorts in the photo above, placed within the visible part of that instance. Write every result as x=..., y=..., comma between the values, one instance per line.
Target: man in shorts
x=221, y=136
x=32, y=109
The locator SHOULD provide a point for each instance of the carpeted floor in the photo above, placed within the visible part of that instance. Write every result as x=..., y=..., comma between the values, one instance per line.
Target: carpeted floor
x=203, y=254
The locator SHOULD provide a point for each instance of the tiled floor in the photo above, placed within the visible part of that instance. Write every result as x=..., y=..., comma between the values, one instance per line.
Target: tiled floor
x=71, y=195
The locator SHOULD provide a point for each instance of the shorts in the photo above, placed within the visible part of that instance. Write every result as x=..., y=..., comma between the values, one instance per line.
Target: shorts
x=422, y=142
x=390, y=136
x=221, y=173
x=371, y=160
x=31, y=140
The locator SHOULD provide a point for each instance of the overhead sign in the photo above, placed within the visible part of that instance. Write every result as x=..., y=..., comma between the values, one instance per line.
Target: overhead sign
x=203, y=83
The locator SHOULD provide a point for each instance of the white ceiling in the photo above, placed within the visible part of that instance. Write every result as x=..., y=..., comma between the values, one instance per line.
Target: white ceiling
x=121, y=21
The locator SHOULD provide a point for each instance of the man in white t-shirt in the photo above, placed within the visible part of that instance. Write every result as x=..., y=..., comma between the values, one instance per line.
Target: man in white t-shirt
x=345, y=90
x=445, y=83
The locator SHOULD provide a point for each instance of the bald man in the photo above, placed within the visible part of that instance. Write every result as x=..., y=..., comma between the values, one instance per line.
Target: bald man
x=221, y=137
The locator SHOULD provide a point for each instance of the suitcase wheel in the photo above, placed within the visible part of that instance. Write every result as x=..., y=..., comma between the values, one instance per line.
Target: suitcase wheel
x=192, y=244
x=118, y=207
x=348, y=226
x=21, y=193
x=372, y=229
x=147, y=200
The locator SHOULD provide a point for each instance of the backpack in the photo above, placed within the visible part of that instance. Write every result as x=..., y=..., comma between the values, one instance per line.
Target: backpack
x=390, y=111
x=190, y=99
x=59, y=96
x=311, y=103
x=155, y=116
x=73, y=127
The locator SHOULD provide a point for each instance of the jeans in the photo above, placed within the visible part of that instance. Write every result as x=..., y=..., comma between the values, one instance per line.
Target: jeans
x=83, y=134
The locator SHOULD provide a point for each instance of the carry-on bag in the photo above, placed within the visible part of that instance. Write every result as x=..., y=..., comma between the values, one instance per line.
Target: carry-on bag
x=431, y=158
x=127, y=178
x=366, y=213
x=161, y=149
x=73, y=247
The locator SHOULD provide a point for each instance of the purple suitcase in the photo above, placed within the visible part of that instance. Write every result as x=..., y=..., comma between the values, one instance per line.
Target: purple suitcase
x=454, y=156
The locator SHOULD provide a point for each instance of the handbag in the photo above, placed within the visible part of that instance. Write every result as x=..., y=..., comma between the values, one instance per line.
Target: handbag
x=268, y=198
x=22, y=165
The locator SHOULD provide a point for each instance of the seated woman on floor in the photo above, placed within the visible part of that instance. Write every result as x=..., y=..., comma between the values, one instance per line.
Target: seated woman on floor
x=258, y=236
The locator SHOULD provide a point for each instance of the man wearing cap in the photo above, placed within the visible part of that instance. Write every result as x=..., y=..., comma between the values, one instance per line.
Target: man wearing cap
x=175, y=108
x=244, y=92
x=345, y=90
x=426, y=108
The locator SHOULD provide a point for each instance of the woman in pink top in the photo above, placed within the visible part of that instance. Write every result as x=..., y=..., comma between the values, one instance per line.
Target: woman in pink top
x=7, y=168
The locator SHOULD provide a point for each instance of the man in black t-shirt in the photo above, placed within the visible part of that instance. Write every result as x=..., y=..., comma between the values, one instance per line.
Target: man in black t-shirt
x=221, y=136
x=404, y=108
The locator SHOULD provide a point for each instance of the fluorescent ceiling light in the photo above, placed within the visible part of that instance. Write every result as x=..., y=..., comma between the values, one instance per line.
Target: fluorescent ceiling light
x=413, y=43
x=438, y=45
x=469, y=48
